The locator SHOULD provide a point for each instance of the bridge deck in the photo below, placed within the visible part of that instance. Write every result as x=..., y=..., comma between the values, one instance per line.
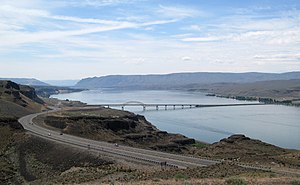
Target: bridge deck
x=175, y=104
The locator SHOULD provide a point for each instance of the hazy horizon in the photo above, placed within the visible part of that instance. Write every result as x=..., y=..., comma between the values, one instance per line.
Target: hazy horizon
x=57, y=80
x=63, y=40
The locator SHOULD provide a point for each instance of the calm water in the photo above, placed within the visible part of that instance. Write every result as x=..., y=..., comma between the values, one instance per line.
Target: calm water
x=275, y=124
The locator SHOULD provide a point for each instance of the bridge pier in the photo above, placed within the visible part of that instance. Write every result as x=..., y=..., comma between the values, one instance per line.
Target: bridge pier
x=122, y=107
x=166, y=107
x=144, y=108
x=190, y=106
x=156, y=107
x=182, y=106
x=174, y=107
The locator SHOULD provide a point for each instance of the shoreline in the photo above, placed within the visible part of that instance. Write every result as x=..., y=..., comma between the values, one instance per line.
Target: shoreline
x=201, y=139
x=266, y=100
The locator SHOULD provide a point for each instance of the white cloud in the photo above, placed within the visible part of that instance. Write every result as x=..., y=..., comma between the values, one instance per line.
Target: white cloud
x=134, y=61
x=177, y=12
x=99, y=3
x=14, y=38
x=180, y=36
x=23, y=3
x=186, y=58
x=22, y=11
x=121, y=45
x=203, y=39
x=193, y=27
x=279, y=57
x=288, y=36
x=15, y=12
x=14, y=20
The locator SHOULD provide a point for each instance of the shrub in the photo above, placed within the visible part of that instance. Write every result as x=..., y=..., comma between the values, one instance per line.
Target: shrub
x=180, y=176
x=199, y=145
x=235, y=181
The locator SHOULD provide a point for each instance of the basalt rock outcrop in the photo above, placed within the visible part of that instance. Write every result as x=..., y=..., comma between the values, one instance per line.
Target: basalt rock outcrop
x=129, y=129
x=14, y=91
x=18, y=100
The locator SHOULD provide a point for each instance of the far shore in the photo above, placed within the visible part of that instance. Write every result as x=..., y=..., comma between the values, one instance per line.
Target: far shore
x=266, y=100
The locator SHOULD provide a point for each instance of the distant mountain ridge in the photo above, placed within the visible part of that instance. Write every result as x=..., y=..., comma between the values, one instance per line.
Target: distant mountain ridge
x=279, y=90
x=27, y=81
x=61, y=83
x=176, y=80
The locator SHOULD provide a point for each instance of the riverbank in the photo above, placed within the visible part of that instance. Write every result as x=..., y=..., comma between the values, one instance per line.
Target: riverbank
x=265, y=100
x=47, y=91
x=206, y=124
x=282, y=92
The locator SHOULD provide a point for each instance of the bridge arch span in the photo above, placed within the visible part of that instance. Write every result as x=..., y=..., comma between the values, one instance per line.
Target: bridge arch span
x=134, y=103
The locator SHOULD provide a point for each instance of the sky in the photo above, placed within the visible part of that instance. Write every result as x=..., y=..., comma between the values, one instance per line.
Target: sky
x=74, y=39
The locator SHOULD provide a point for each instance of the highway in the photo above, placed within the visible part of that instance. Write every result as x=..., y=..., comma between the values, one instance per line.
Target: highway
x=109, y=149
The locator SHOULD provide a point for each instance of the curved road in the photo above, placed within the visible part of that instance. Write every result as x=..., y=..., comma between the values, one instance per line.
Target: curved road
x=118, y=152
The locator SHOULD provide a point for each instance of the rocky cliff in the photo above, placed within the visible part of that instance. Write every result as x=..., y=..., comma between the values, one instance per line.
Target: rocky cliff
x=118, y=127
x=18, y=100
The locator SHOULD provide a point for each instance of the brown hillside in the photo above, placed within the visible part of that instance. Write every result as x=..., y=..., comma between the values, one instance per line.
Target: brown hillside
x=275, y=89
x=244, y=149
x=18, y=100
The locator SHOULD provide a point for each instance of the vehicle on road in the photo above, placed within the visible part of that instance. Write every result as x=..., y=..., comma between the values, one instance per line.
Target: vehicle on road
x=49, y=134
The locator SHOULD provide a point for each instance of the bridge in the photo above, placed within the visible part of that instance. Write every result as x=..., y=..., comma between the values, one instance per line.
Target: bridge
x=172, y=106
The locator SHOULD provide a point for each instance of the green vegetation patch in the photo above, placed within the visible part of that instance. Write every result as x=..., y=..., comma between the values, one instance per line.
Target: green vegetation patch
x=235, y=181
x=181, y=176
x=199, y=145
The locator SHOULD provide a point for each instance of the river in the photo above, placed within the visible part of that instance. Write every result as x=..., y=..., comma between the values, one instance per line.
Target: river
x=275, y=124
